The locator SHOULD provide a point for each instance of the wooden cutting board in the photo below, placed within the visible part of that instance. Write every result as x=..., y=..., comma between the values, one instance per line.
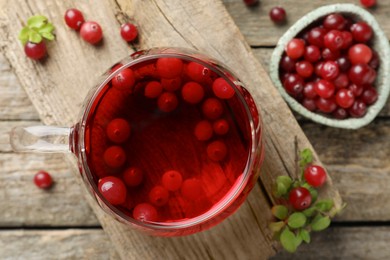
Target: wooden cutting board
x=57, y=86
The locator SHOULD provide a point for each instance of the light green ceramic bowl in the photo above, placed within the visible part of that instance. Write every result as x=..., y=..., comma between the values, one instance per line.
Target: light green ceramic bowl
x=380, y=44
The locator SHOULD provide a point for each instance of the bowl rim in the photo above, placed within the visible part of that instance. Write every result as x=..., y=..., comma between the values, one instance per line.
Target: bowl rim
x=381, y=45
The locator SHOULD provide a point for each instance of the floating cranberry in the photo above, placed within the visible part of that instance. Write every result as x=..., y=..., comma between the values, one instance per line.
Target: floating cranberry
x=43, y=180
x=91, y=32
x=124, y=80
x=361, y=32
x=359, y=53
x=358, y=109
x=295, y=48
x=74, y=18
x=153, y=89
x=277, y=14
x=300, y=198
x=35, y=51
x=334, y=40
x=315, y=175
x=114, y=156
x=171, y=84
x=203, y=130
x=222, y=89
x=334, y=22
x=324, y=88
x=133, y=176
x=345, y=98
x=212, y=108
x=159, y=196
x=198, y=72
x=369, y=95
x=192, y=92
x=172, y=180
x=145, y=212
x=368, y=3
x=169, y=67
x=191, y=189
x=113, y=190
x=221, y=127
x=167, y=102
x=118, y=130
x=129, y=32
x=217, y=151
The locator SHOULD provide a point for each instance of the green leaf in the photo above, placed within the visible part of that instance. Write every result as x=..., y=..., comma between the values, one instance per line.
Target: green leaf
x=276, y=226
x=24, y=35
x=279, y=211
x=324, y=205
x=47, y=28
x=288, y=240
x=309, y=211
x=48, y=36
x=36, y=21
x=320, y=222
x=296, y=220
x=34, y=37
x=306, y=156
x=305, y=235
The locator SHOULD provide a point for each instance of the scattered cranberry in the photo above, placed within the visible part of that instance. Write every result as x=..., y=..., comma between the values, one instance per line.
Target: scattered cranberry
x=124, y=80
x=300, y=198
x=221, y=127
x=172, y=180
x=169, y=67
x=159, y=196
x=167, y=102
x=295, y=48
x=191, y=189
x=35, y=51
x=114, y=156
x=91, y=32
x=145, y=212
x=222, y=89
x=43, y=180
x=277, y=14
x=74, y=18
x=315, y=175
x=133, y=176
x=192, y=92
x=129, y=32
x=361, y=32
x=153, y=89
x=212, y=108
x=203, y=130
x=118, y=130
x=113, y=190
x=359, y=53
x=368, y=3
x=217, y=151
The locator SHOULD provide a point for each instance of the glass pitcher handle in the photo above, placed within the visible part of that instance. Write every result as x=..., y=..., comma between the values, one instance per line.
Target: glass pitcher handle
x=44, y=139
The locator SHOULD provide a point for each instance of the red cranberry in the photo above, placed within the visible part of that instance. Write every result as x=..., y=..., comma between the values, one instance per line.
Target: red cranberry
x=368, y=3
x=309, y=104
x=358, y=109
x=359, y=53
x=327, y=54
x=340, y=113
x=129, y=32
x=300, y=198
x=295, y=48
x=169, y=67
x=221, y=127
x=118, y=130
x=277, y=14
x=203, y=130
x=342, y=81
x=145, y=212
x=312, y=54
x=217, y=151
x=159, y=196
x=287, y=64
x=309, y=90
x=222, y=89
x=192, y=92
x=304, y=68
x=167, y=102
x=114, y=156
x=123, y=80
x=198, y=72
x=43, y=180
x=171, y=84
x=318, y=68
x=113, y=190
x=326, y=105
x=153, y=89
x=357, y=90
x=212, y=108
x=74, y=18
x=369, y=95
x=330, y=70
x=360, y=74
x=374, y=62
x=316, y=36
x=251, y=2
x=315, y=175
x=334, y=22
x=293, y=84
x=172, y=180
x=344, y=63
x=191, y=189
x=35, y=51
x=348, y=39
x=91, y=32
x=361, y=32
x=345, y=98
x=334, y=40
x=324, y=88
x=133, y=176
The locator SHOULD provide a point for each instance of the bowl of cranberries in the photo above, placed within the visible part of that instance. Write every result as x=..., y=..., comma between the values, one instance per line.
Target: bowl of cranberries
x=332, y=66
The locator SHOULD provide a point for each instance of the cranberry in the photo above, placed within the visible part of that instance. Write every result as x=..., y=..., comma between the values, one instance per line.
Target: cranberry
x=114, y=156
x=217, y=150
x=133, y=176
x=251, y=2
x=358, y=109
x=359, y=53
x=167, y=102
x=334, y=22
x=318, y=67
x=324, y=88
x=326, y=105
x=113, y=190
x=172, y=180
x=159, y=196
x=35, y=51
x=212, y=108
x=340, y=113
x=368, y=3
x=330, y=70
x=222, y=89
x=361, y=32
x=191, y=189
x=348, y=39
x=309, y=104
x=171, y=84
x=360, y=74
x=153, y=89
x=74, y=18
x=295, y=48
x=203, y=130
x=293, y=84
x=312, y=53
x=309, y=90
x=91, y=32
x=374, y=62
x=369, y=95
x=315, y=175
x=198, y=72
x=43, y=180
x=192, y=92
x=300, y=198
x=118, y=130
x=334, y=40
x=328, y=54
x=221, y=127
x=169, y=67
x=357, y=90
x=344, y=63
x=316, y=36
x=304, y=69
x=145, y=212
x=124, y=79
x=129, y=32
x=277, y=14
x=287, y=64
x=342, y=81
x=345, y=98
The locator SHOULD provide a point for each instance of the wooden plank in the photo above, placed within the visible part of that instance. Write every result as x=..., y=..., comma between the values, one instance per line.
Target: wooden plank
x=259, y=30
x=57, y=101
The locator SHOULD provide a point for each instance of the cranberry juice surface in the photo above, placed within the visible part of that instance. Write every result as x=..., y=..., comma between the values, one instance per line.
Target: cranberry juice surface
x=167, y=140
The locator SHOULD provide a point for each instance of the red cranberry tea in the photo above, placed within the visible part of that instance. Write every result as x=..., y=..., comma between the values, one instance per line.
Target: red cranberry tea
x=331, y=68
x=167, y=140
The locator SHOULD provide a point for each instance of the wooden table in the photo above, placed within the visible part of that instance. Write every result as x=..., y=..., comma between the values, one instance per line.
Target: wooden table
x=38, y=224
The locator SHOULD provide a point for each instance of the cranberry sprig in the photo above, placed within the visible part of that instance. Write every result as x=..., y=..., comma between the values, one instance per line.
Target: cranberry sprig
x=300, y=211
